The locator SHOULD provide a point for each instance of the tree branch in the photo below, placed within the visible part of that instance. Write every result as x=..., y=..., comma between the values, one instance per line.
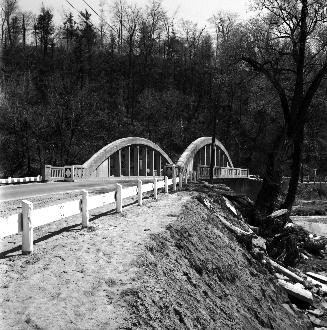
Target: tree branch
x=281, y=93
x=314, y=86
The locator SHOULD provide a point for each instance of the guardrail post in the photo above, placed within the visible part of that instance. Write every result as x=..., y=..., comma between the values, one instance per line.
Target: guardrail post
x=139, y=188
x=119, y=199
x=174, y=178
x=155, y=188
x=166, y=184
x=85, y=210
x=180, y=183
x=27, y=238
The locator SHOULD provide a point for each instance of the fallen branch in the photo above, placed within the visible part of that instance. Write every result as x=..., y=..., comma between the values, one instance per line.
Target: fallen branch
x=234, y=229
x=286, y=272
x=318, y=277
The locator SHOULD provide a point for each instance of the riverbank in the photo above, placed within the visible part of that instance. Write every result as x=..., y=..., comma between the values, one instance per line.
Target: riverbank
x=308, y=201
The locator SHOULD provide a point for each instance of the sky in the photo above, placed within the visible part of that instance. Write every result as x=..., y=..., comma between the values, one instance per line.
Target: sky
x=196, y=10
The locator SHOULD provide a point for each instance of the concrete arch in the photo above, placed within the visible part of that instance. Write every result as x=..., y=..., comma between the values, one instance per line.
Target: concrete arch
x=186, y=159
x=102, y=155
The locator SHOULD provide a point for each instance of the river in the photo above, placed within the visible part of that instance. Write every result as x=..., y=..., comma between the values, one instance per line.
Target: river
x=315, y=224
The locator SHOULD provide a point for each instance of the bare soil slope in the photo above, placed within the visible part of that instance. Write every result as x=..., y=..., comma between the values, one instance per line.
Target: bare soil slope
x=166, y=265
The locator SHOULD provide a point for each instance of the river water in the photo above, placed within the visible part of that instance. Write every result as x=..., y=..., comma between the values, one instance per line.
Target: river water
x=315, y=224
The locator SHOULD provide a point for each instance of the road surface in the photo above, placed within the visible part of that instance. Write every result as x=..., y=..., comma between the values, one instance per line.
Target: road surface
x=20, y=191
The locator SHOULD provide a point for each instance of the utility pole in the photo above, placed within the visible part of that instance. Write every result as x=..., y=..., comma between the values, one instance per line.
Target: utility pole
x=213, y=141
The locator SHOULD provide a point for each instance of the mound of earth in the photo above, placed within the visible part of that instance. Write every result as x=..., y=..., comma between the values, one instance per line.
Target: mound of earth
x=169, y=264
x=195, y=275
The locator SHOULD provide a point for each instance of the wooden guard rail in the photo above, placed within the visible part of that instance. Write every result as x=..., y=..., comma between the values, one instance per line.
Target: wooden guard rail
x=29, y=218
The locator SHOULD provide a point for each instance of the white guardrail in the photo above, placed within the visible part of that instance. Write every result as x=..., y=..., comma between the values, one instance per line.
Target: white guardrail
x=29, y=219
x=20, y=180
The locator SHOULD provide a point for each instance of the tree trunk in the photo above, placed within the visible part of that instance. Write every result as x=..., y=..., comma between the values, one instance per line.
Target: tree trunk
x=3, y=33
x=296, y=170
x=9, y=31
x=24, y=31
x=268, y=197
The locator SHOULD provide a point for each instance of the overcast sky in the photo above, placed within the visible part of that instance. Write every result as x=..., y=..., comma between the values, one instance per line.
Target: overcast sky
x=196, y=10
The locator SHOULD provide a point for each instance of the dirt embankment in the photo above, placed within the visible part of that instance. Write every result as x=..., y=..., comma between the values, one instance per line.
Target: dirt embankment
x=195, y=275
x=169, y=264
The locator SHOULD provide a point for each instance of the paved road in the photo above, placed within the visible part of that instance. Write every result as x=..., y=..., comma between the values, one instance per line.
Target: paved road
x=12, y=192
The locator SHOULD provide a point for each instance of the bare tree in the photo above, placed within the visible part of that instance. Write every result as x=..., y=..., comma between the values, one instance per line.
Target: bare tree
x=224, y=24
x=288, y=45
x=8, y=8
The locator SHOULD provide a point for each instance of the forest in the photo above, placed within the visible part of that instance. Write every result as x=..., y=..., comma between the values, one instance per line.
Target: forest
x=69, y=89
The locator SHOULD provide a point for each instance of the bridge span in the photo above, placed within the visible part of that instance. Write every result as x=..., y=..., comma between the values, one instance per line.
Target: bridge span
x=139, y=157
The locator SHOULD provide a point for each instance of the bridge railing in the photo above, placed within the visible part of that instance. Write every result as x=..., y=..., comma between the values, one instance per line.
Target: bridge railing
x=57, y=172
x=67, y=173
x=222, y=172
x=73, y=172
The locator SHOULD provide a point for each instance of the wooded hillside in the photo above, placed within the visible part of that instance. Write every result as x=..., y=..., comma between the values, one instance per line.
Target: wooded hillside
x=69, y=89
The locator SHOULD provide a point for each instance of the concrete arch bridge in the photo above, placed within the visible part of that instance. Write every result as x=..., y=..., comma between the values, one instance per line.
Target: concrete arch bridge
x=139, y=157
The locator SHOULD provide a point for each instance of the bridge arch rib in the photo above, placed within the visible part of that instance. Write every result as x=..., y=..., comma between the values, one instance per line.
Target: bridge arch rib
x=199, y=152
x=130, y=156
